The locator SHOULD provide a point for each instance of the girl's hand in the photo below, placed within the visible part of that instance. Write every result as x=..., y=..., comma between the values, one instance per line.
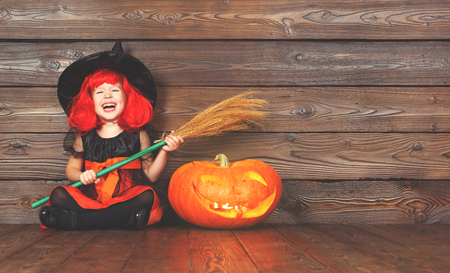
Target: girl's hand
x=89, y=177
x=173, y=142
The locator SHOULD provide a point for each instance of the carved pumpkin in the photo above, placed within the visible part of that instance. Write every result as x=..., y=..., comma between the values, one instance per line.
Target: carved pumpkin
x=225, y=195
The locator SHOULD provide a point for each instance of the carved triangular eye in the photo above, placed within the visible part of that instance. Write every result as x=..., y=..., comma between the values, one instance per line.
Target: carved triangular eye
x=251, y=175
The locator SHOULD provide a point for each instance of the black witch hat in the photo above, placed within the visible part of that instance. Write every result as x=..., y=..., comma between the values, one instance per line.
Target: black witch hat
x=137, y=73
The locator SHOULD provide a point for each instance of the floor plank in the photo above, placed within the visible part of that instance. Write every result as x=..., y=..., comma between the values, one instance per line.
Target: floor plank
x=20, y=239
x=390, y=252
x=108, y=251
x=8, y=228
x=161, y=249
x=217, y=251
x=331, y=252
x=414, y=240
x=49, y=253
x=261, y=248
x=271, y=252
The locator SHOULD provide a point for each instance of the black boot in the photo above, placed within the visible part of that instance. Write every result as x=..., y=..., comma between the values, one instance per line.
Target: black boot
x=136, y=219
x=56, y=218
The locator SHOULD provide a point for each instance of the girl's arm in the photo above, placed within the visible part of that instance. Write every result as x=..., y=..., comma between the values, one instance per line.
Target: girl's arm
x=153, y=168
x=75, y=165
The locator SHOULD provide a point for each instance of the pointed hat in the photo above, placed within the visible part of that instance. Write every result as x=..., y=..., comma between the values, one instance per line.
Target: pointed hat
x=137, y=73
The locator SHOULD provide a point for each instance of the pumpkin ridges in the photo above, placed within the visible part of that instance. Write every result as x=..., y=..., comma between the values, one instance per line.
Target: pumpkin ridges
x=181, y=192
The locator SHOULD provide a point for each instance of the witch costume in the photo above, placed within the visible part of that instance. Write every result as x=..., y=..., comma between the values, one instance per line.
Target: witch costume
x=123, y=198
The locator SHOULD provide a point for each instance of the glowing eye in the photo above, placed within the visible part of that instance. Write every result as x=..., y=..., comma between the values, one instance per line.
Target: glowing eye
x=251, y=175
x=212, y=180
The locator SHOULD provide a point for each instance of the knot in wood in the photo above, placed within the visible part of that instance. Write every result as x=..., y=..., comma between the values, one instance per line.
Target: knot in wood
x=132, y=15
x=420, y=216
x=170, y=19
x=417, y=147
x=5, y=14
x=49, y=65
x=305, y=111
x=300, y=57
x=291, y=137
x=17, y=145
x=72, y=54
x=294, y=207
x=4, y=111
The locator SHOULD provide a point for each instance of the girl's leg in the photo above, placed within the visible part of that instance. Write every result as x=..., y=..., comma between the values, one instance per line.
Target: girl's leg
x=120, y=215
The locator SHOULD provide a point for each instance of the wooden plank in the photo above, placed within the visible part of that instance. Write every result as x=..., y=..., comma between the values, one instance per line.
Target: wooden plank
x=17, y=197
x=217, y=251
x=440, y=230
x=331, y=252
x=20, y=239
x=395, y=254
x=345, y=202
x=308, y=109
x=363, y=202
x=271, y=252
x=46, y=255
x=414, y=240
x=108, y=251
x=314, y=156
x=284, y=19
x=8, y=228
x=244, y=63
x=161, y=249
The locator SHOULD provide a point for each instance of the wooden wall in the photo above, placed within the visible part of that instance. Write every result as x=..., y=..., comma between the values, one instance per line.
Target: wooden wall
x=359, y=94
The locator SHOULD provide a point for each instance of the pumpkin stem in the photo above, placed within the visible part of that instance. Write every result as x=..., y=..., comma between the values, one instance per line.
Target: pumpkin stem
x=224, y=162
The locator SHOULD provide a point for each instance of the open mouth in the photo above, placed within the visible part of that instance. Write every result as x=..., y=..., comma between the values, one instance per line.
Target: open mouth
x=109, y=107
x=242, y=210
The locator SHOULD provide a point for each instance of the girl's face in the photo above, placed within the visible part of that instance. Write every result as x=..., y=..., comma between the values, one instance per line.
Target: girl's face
x=109, y=101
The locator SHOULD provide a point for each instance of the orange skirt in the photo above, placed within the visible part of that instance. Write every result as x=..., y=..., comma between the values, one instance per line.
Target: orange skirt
x=89, y=203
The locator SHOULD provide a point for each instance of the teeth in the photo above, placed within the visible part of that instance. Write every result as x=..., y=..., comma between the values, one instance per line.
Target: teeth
x=108, y=105
x=227, y=206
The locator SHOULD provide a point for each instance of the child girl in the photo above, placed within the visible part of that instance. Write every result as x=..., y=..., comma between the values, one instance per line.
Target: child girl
x=109, y=98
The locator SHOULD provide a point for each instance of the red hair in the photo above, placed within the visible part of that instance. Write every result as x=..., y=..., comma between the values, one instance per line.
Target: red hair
x=137, y=111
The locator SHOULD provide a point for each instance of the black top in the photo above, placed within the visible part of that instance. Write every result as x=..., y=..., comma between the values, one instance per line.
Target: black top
x=98, y=149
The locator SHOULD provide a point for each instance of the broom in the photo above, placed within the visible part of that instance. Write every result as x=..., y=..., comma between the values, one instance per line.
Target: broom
x=233, y=114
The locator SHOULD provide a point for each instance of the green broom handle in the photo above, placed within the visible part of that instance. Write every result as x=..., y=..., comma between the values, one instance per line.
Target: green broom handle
x=110, y=168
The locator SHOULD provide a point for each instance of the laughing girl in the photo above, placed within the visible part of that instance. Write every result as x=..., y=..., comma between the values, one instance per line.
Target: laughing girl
x=109, y=98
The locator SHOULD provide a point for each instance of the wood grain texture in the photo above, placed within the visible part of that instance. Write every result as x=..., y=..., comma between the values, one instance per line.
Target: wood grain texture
x=413, y=239
x=48, y=254
x=305, y=156
x=359, y=202
x=161, y=250
x=404, y=258
x=17, y=197
x=244, y=63
x=272, y=252
x=331, y=252
x=217, y=251
x=350, y=247
x=20, y=239
x=345, y=202
x=293, y=109
x=107, y=251
x=285, y=19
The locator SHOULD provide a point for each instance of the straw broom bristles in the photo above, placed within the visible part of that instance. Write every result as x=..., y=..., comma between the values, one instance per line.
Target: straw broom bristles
x=233, y=114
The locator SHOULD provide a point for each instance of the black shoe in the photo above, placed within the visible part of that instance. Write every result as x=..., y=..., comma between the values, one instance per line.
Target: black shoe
x=136, y=219
x=56, y=218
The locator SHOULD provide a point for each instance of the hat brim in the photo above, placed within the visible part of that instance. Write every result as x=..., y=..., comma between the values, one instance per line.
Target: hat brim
x=73, y=76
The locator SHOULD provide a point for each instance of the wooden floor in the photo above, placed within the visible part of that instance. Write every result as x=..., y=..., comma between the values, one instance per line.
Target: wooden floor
x=263, y=248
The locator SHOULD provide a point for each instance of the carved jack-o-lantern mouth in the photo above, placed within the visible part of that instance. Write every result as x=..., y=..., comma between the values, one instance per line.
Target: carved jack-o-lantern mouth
x=238, y=210
x=225, y=195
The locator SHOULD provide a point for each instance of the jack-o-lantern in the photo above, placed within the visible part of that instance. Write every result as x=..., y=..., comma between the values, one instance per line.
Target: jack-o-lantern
x=224, y=194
